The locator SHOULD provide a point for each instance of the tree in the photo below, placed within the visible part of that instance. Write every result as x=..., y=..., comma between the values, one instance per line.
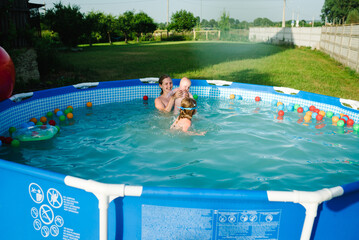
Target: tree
x=108, y=24
x=126, y=23
x=213, y=23
x=353, y=16
x=143, y=24
x=223, y=23
x=67, y=21
x=92, y=26
x=182, y=21
x=335, y=11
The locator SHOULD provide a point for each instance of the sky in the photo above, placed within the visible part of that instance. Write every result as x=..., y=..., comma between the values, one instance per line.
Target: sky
x=243, y=10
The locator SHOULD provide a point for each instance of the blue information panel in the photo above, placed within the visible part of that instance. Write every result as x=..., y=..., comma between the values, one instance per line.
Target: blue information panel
x=195, y=223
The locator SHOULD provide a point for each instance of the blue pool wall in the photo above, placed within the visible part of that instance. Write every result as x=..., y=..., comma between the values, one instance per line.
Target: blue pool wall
x=16, y=113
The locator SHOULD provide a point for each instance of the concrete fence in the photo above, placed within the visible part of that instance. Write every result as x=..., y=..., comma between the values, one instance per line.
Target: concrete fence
x=340, y=42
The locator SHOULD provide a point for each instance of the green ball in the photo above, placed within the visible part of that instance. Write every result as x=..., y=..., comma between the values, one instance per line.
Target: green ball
x=62, y=118
x=69, y=109
x=195, y=96
x=12, y=129
x=49, y=114
x=356, y=127
x=340, y=123
x=58, y=128
x=296, y=106
x=15, y=143
x=329, y=114
x=39, y=123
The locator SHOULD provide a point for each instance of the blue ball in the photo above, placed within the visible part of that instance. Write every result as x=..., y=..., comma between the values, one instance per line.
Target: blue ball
x=281, y=107
x=59, y=113
x=30, y=124
x=290, y=107
x=314, y=115
x=338, y=115
x=239, y=97
x=305, y=109
x=24, y=125
x=274, y=102
x=0, y=143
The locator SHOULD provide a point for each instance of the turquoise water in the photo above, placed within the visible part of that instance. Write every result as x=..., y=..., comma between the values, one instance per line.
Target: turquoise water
x=245, y=147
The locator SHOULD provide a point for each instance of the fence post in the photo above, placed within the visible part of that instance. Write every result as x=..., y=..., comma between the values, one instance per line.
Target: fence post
x=194, y=34
x=206, y=35
x=219, y=34
x=350, y=44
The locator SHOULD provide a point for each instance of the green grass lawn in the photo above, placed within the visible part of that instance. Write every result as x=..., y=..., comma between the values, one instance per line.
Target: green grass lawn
x=256, y=63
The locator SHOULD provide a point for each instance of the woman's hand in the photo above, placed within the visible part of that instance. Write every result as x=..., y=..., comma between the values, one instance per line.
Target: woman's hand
x=178, y=94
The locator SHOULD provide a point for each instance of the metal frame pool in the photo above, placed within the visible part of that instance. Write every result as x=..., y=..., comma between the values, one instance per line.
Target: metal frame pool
x=39, y=204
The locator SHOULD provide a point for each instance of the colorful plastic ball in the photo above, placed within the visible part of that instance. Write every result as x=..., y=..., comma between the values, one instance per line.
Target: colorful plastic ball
x=335, y=119
x=337, y=115
x=58, y=128
x=316, y=110
x=7, y=75
x=314, y=115
x=319, y=117
x=70, y=107
x=312, y=108
x=290, y=107
x=0, y=143
x=66, y=111
x=62, y=118
x=257, y=99
x=25, y=125
x=232, y=96
x=238, y=97
x=307, y=118
x=345, y=117
x=322, y=113
x=300, y=109
x=89, y=104
x=145, y=98
x=195, y=96
x=356, y=127
x=39, y=123
x=52, y=122
x=31, y=124
x=309, y=113
x=69, y=115
x=274, y=102
x=341, y=115
x=15, y=143
x=56, y=110
x=305, y=109
x=296, y=106
x=59, y=113
x=12, y=129
x=345, y=121
x=350, y=122
x=8, y=140
x=340, y=123
x=280, y=113
x=49, y=114
x=34, y=120
x=281, y=107
x=279, y=103
x=329, y=114
x=43, y=119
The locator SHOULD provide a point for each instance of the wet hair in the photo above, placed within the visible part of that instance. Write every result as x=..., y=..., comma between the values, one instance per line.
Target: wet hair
x=160, y=80
x=187, y=103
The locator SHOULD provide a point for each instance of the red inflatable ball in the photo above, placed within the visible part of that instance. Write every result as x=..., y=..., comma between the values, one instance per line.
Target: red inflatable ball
x=257, y=99
x=319, y=117
x=344, y=120
x=281, y=113
x=317, y=111
x=350, y=122
x=145, y=98
x=52, y=122
x=300, y=110
x=312, y=108
x=7, y=75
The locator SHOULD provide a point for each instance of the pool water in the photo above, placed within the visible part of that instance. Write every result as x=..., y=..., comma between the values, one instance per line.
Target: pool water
x=245, y=147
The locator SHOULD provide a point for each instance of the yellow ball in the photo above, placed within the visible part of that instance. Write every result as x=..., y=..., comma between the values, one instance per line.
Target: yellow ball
x=307, y=118
x=279, y=103
x=335, y=119
x=341, y=115
x=322, y=113
x=309, y=113
x=232, y=96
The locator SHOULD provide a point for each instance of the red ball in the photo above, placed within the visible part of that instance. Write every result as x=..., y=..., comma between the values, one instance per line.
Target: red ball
x=257, y=99
x=317, y=111
x=145, y=98
x=2, y=139
x=312, y=108
x=52, y=122
x=300, y=110
x=350, y=122
x=319, y=117
x=345, y=121
x=7, y=75
x=280, y=113
x=8, y=140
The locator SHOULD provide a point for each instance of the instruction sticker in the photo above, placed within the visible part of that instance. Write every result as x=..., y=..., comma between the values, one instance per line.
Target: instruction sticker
x=195, y=223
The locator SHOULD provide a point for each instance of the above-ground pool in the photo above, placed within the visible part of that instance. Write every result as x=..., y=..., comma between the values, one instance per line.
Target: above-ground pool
x=254, y=175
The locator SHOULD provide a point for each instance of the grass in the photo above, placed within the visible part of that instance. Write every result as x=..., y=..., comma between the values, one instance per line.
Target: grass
x=264, y=64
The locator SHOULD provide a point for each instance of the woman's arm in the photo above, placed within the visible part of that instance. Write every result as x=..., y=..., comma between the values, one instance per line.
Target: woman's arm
x=160, y=106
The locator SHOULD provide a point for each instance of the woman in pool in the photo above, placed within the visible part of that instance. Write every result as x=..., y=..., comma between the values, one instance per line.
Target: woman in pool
x=165, y=102
x=184, y=120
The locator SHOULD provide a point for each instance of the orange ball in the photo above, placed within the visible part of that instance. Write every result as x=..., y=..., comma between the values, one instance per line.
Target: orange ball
x=322, y=113
x=232, y=96
x=69, y=115
x=89, y=104
x=307, y=118
x=56, y=110
x=34, y=120
x=279, y=103
x=335, y=119
x=70, y=107
x=43, y=119
x=309, y=113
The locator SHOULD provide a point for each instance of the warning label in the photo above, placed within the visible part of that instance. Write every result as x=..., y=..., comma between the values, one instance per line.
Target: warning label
x=194, y=223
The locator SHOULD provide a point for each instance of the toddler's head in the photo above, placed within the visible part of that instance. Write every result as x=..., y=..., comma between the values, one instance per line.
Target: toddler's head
x=185, y=84
x=188, y=108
